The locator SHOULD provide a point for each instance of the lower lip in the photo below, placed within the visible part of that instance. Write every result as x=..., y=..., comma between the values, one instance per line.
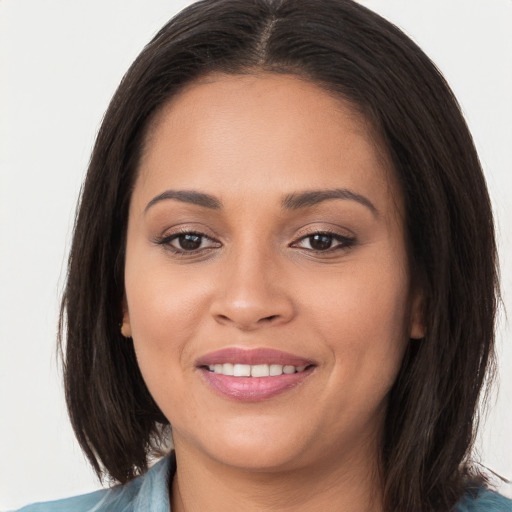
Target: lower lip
x=253, y=389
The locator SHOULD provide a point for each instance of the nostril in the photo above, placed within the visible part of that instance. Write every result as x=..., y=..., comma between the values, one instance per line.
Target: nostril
x=251, y=314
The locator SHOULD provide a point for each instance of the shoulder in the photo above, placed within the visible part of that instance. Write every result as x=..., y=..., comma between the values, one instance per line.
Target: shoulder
x=83, y=503
x=485, y=500
x=152, y=487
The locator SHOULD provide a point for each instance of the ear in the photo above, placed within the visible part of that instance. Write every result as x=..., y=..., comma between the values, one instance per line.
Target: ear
x=126, y=328
x=417, y=328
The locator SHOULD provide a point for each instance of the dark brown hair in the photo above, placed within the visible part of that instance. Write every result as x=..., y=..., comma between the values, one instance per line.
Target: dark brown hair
x=354, y=53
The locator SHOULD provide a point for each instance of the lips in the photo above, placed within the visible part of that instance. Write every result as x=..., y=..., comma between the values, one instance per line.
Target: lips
x=252, y=357
x=253, y=374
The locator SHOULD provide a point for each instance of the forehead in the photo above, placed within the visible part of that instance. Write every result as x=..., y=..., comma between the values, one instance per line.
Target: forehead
x=262, y=129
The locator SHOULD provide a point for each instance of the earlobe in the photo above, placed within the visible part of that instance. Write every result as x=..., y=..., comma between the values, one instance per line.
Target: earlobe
x=417, y=329
x=126, y=328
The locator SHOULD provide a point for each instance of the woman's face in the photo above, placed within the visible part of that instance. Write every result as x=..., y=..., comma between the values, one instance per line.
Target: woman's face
x=266, y=237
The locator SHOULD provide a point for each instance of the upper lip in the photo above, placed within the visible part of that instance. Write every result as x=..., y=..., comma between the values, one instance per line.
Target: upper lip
x=237, y=355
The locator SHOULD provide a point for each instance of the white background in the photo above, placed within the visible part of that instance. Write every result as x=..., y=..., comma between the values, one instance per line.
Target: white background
x=60, y=62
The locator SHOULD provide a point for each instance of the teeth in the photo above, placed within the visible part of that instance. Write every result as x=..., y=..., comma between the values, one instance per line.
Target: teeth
x=276, y=369
x=260, y=370
x=227, y=369
x=241, y=370
x=256, y=370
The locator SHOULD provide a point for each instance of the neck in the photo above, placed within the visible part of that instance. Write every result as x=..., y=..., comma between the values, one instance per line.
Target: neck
x=350, y=485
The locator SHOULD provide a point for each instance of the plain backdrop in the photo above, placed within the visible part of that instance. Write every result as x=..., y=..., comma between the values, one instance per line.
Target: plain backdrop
x=60, y=62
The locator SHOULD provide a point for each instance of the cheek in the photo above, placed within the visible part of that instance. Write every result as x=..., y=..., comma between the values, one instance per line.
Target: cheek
x=165, y=315
x=165, y=302
x=165, y=311
x=363, y=318
x=367, y=294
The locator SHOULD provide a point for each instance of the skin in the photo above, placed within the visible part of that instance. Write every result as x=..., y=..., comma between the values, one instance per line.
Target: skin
x=256, y=281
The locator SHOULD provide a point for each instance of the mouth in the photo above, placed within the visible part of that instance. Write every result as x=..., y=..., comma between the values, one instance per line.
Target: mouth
x=253, y=375
x=255, y=370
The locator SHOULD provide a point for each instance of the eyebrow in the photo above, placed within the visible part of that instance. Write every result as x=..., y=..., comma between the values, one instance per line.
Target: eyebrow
x=313, y=197
x=292, y=201
x=187, y=196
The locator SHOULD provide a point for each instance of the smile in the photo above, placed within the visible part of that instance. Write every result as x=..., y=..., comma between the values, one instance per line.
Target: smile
x=251, y=375
x=257, y=370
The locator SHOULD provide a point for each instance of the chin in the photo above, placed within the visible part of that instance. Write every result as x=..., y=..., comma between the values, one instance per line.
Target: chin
x=257, y=447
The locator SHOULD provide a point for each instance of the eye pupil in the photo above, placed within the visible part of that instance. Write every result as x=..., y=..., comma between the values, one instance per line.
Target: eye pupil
x=189, y=241
x=320, y=242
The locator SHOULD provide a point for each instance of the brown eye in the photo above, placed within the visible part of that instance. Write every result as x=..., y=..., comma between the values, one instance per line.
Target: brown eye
x=320, y=242
x=324, y=242
x=188, y=241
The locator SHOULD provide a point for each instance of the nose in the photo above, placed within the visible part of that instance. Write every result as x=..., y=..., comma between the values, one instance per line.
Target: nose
x=252, y=294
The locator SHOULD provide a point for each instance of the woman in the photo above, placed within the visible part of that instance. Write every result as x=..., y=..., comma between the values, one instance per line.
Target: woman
x=285, y=250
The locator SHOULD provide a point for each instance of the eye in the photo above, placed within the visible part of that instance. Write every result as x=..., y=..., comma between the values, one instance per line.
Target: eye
x=188, y=242
x=323, y=242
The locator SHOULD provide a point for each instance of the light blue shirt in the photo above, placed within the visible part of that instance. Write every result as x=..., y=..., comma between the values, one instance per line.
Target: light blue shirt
x=146, y=493
x=486, y=501
x=149, y=493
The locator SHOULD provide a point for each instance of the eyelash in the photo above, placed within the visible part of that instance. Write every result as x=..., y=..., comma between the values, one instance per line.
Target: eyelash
x=344, y=242
x=166, y=242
